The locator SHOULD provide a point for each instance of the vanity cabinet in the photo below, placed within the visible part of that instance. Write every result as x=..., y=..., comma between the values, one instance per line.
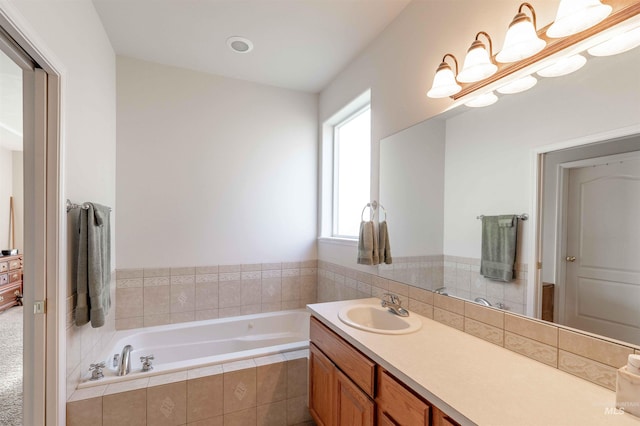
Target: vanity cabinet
x=346, y=388
x=10, y=281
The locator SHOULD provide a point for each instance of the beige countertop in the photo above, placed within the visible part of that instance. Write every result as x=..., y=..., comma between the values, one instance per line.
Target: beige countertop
x=476, y=382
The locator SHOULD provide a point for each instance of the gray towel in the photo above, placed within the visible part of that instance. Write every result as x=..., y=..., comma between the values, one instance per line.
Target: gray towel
x=94, y=266
x=384, y=246
x=367, y=244
x=499, y=242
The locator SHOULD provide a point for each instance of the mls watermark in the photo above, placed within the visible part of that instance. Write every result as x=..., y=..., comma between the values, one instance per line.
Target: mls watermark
x=619, y=409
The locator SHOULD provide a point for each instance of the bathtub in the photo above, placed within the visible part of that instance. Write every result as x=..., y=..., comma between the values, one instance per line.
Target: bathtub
x=190, y=345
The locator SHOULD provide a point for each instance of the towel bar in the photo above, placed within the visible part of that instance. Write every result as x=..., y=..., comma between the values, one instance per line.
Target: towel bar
x=71, y=206
x=522, y=216
x=373, y=206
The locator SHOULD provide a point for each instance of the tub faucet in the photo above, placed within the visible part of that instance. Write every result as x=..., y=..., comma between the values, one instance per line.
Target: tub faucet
x=441, y=290
x=392, y=301
x=124, y=366
x=482, y=301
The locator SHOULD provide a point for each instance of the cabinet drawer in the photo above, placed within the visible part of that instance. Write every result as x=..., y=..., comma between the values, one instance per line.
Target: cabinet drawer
x=15, y=276
x=4, y=266
x=360, y=369
x=8, y=295
x=398, y=404
x=15, y=264
x=4, y=279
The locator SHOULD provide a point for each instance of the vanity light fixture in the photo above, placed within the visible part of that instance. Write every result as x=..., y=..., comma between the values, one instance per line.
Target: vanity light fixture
x=563, y=66
x=574, y=16
x=519, y=85
x=521, y=40
x=444, y=82
x=483, y=100
x=478, y=64
x=618, y=44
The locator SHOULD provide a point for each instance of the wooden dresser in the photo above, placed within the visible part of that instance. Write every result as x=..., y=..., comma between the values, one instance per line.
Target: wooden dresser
x=10, y=281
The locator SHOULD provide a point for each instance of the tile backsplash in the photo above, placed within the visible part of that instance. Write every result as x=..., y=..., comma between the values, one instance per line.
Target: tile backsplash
x=156, y=296
x=585, y=356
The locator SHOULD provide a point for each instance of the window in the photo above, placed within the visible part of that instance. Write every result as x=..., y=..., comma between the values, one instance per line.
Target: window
x=351, y=172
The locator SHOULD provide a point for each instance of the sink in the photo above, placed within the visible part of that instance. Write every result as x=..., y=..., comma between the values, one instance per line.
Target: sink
x=377, y=319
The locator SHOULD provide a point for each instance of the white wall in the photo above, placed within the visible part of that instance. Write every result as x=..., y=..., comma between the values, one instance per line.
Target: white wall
x=212, y=170
x=18, y=198
x=412, y=188
x=6, y=190
x=489, y=151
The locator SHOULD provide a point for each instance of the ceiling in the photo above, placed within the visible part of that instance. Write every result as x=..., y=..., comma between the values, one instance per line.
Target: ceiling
x=298, y=44
x=10, y=104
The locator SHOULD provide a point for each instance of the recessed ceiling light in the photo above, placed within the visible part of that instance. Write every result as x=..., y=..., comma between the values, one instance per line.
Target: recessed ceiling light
x=240, y=44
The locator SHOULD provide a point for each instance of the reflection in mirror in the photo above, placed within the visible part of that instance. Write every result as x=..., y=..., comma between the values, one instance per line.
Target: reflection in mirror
x=489, y=170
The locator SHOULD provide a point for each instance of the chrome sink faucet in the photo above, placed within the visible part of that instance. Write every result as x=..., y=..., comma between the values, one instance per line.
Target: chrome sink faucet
x=124, y=365
x=393, y=302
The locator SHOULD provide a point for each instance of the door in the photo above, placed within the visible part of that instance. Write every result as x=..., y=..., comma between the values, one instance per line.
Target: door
x=354, y=406
x=603, y=249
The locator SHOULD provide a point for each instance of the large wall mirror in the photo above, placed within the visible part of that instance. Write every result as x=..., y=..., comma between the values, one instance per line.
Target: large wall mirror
x=583, y=132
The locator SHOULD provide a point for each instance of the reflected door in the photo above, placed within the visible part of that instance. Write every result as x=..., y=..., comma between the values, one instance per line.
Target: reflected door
x=603, y=249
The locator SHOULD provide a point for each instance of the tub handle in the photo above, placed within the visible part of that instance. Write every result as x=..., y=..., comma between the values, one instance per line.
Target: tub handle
x=116, y=359
x=146, y=362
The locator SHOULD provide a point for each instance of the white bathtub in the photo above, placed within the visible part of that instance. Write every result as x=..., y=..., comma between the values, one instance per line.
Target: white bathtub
x=189, y=345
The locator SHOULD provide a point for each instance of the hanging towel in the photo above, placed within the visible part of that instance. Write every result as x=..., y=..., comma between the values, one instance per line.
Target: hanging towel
x=499, y=241
x=367, y=244
x=94, y=265
x=384, y=246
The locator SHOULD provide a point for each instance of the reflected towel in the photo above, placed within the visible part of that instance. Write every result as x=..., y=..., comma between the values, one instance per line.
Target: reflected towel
x=94, y=266
x=384, y=246
x=499, y=242
x=367, y=244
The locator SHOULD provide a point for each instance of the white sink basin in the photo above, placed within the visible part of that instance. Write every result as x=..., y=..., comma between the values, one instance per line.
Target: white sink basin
x=377, y=319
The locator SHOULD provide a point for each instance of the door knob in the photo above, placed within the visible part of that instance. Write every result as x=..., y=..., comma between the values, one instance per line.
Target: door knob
x=570, y=258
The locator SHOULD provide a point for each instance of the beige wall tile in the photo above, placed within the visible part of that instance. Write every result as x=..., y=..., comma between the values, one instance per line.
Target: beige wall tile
x=290, y=288
x=608, y=353
x=85, y=412
x=153, y=320
x=229, y=268
x=206, y=295
x=183, y=297
x=239, y=390
x=156, y=281
x=241, y=418
x=187, y=270
x=271, y=307
x=449, y=318
x=157, y=300
x=207, y=278
x=420, y=308
x=271, y=266
x=421, y=295
x=271, y=383
x=398, y=288
x=272, y=414
x=251, y=292
x=532, y=329
x=297, y=374
x=250, y=309
x=130, y=283
x=247, y=267
x=229, y=294
x=204, y=398
x=483, y=314
x=178, y=317
x=156, y=272
x=297, y=410
x=206, y=270
x=291, y=265
x=129, y=323
x=587, y=369
x=531, y=348
x=125, y=409
x=167, y=404
x=450, y=304
x=206, y=314
x=213, y=421
x=183, y=279
x=125, y=274
x=484, y=331
x=271, y=290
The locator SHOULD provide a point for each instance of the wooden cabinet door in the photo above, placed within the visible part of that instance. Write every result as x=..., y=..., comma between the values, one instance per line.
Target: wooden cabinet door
x=441, y=419
x=321, y=387
x=399, y=404
x=354, y=408
x=384, y=419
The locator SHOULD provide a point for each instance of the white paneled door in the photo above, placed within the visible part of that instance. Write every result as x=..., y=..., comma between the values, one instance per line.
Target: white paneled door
x=603, y=248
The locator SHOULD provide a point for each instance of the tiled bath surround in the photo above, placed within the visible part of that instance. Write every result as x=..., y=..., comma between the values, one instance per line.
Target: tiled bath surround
x=269, y=390
x=156, y=296
x=580, y=354
x=84, y=344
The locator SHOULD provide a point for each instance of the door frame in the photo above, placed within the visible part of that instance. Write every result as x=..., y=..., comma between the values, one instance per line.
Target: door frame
x=562, y=212
x=534, y=292
x=45, y=337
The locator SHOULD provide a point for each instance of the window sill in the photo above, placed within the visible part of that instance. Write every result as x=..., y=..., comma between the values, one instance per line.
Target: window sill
x=351, y=242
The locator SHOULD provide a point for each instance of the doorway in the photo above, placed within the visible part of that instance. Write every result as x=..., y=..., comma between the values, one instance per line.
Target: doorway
x=43, y=389
x=11, y=240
